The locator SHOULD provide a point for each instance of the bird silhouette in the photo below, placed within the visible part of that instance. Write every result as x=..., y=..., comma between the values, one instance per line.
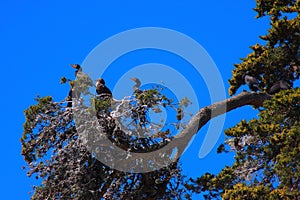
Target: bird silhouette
x=280, y=85
x=72, y=94
x=101, y=88
x=136, y=87
x=77, y=67
x=251, y=82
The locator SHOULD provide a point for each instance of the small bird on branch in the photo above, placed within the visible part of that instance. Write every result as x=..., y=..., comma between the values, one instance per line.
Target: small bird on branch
x=77, y=67
x=102, y=90
x=251, y=82
x=72, y=94
x=280, y=85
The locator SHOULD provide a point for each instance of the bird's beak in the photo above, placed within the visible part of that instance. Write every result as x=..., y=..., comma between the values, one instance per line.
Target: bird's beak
x=74, y=66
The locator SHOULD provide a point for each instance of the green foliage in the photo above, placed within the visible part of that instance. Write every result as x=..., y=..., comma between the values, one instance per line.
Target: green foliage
x=242, y=192
x=276, y=8
x=278, y=59
x=82, y=84
x=146, y=100
x=63, y=80
x=33, y=145
x=101, y=105
x=267, y=154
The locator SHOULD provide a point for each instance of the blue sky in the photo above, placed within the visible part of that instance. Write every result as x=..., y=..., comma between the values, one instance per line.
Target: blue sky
x=39, y=39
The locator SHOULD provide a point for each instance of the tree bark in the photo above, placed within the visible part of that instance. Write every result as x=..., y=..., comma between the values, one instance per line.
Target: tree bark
x=209, y=112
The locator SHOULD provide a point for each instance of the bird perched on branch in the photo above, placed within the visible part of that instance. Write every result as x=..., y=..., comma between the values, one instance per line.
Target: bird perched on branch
x=101, y=88
x=280, y=85
x=69, y=98
x=136, y=87
x=77, y=67
x=251, y=82
x=71, y=94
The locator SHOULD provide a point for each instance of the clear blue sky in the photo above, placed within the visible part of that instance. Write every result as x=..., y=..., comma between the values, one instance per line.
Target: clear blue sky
x=39, y=39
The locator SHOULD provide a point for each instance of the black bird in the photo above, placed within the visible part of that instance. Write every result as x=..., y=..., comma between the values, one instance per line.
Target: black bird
x=280, y=85
x=101, y=88
x=136, y=87
x=77, y=67
x=71, y=94
x=251, y=81
x=69, y=99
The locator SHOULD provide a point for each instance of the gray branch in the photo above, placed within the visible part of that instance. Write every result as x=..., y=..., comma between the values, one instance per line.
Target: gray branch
x=207, y=113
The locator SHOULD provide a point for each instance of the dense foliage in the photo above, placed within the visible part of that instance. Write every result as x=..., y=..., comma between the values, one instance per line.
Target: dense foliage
x=267, y=155
x=278, y=57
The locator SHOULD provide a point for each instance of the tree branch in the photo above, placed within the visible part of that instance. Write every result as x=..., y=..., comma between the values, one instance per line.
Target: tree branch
x=207, y=113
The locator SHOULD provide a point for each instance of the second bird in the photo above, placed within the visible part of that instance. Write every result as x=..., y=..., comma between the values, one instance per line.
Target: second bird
x=77, y=67
x=101, y=88
x=251, y=82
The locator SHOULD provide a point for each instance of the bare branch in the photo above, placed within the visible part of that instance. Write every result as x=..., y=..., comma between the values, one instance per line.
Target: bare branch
x=207, y=113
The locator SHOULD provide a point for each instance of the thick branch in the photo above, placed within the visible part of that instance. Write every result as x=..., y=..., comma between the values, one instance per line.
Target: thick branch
x=207, y=113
